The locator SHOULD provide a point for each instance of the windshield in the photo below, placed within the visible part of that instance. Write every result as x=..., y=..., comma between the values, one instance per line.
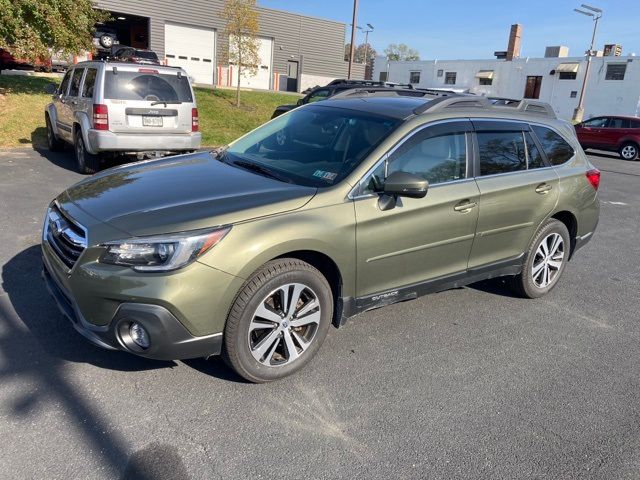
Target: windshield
x=313, y=146
x=128, y=85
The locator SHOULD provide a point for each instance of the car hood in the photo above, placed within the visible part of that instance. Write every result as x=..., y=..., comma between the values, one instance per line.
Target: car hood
x=182, y=193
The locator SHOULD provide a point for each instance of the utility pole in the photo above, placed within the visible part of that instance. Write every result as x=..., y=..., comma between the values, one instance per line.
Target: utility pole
x=353, y=38
x=596, y=14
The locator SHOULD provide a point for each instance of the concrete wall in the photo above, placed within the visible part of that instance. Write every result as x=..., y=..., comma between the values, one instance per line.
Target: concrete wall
x=602, y=97
x=317, y=43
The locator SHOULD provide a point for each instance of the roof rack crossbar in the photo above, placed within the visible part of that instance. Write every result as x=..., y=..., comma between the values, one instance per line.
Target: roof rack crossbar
x=467, y=101
x=385, y=92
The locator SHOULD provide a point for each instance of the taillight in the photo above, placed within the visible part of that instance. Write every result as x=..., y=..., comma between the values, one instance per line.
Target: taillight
x=100, y=117
x=194, y=120
x=593, y=176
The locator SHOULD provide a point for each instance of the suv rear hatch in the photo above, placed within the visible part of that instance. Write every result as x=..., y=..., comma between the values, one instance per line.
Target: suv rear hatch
x=148, y=99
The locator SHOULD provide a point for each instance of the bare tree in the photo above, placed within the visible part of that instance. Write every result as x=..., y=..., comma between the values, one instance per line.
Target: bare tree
x=242, y=29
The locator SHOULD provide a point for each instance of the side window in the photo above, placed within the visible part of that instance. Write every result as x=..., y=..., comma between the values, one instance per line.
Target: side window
x=65, y=83
x=618, y=123
x=635, y=124
x=534, y=158
x=558, y=151
x=75, y=82
x=317, y=96
x=438, y=159
x=501, y=152
x=596, y=122
x=89, y=83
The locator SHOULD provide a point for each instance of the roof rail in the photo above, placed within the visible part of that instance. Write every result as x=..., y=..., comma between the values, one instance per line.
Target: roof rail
x=468, y=101
x=384, y=92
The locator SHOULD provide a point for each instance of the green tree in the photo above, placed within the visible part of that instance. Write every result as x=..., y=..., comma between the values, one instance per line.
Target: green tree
x=401, y=52
x=32, y=29
x=242, y=29
x=360, y=53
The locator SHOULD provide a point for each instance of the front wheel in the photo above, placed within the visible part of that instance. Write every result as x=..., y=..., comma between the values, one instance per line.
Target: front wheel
x=86, y=162
x=545, y=261
x=278, y=321
x=629, y=151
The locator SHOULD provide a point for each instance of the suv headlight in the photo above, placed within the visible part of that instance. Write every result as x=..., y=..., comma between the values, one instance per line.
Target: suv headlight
x=161, y=253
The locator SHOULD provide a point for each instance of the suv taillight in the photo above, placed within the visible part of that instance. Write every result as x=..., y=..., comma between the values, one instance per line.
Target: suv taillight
x=194, y=120
x=100, y=117
x=593, y=176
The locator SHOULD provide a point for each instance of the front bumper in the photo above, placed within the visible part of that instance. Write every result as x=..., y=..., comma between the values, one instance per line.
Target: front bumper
x=170, y=340
x=104, y=141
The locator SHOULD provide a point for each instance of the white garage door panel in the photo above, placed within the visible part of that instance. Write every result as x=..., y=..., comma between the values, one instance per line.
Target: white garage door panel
x=192, y=48
x=262, y=77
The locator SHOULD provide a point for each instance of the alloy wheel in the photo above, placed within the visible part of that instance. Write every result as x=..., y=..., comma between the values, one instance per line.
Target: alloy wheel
x=548, y=260
x=284, y=325
x=629, y=152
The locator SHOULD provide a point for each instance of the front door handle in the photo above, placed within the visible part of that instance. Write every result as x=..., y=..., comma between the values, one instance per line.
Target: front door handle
x=465, y=206
x=543, y=188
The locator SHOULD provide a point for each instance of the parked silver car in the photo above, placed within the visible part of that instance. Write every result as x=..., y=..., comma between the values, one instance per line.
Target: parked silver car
x=111, y=108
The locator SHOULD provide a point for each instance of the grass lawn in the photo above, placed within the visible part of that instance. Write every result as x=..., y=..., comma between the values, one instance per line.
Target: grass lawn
x=22, y=102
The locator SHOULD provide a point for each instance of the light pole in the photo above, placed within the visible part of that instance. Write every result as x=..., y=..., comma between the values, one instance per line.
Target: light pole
x=366, y=47
x=595, y=14
x=353, y=38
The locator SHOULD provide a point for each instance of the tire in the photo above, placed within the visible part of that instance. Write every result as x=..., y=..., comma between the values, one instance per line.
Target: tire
x=106, y=41
x=53, y=142
x=536, y=283
x=629, y=151
x=261, y=332
x=86, y=163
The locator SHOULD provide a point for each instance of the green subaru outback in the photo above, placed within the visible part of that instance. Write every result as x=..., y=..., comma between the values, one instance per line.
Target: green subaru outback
x=335, y=208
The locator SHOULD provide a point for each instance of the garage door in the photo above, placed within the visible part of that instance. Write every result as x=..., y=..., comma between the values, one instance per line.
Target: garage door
x=262, y=77
x=192, y=48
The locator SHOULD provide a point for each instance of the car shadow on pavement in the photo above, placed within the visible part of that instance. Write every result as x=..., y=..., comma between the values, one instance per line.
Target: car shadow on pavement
x=494, y=286
x=38, y=356
x=63, y=159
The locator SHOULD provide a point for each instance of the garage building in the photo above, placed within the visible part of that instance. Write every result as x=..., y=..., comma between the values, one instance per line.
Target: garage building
x=296, y=51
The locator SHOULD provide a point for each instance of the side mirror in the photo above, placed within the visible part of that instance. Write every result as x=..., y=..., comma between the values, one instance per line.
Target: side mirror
x=402, y=184
x=50, y=88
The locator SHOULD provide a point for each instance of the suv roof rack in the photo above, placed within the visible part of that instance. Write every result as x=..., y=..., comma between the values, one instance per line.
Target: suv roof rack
x=387, y=92
x=468, y=101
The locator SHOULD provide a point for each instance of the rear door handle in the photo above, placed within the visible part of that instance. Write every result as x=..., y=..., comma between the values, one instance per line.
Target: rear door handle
x=465, y=206
x=543, y=188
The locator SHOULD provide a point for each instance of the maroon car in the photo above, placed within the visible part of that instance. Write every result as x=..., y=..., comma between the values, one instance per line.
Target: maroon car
x=614, y=133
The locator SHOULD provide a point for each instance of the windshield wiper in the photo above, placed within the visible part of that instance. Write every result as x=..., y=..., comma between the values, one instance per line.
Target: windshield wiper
x=168, y=102
x=254, y=167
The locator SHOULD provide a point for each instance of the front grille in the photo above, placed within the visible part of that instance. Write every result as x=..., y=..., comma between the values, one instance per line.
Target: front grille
x=66, y=238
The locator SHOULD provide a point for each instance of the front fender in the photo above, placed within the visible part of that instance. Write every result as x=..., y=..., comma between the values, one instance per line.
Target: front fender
x=50, y=110
x=327, y=230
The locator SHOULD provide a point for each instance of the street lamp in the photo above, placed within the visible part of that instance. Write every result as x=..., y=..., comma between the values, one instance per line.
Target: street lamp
x=366, y=47
x=595, y=14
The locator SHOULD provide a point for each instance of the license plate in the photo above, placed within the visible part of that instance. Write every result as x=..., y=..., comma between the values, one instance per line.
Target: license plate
x=151, y=121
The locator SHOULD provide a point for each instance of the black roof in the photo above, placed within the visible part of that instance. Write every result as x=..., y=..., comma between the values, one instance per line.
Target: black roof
x=394, y=107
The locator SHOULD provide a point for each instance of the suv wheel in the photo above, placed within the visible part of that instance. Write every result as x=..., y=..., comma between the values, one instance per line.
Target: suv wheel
x=629, y=151
x=53, y=143
x=545, y=261
x=278, y=321
x=86, y=162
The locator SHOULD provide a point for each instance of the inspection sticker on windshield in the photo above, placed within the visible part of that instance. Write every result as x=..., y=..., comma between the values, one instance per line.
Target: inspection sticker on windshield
x=325, y=175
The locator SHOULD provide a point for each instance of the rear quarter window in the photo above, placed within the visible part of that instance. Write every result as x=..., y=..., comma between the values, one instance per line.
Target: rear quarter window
x=128, y=85
x=556, y=148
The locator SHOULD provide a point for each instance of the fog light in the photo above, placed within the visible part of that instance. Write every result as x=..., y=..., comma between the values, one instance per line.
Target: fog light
x=139, y=335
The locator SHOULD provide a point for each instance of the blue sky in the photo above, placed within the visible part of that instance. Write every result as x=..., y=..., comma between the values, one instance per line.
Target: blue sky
x=468, y=29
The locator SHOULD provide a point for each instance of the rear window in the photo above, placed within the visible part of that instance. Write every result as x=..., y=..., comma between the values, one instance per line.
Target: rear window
x=147, y=86
x=558, y=151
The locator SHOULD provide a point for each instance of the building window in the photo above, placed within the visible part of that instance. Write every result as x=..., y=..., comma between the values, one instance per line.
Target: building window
x=615, y=71
x=485, y=81
x=568, y=75
x=414, y=77
x=440, y=73
x=384, y=76
x=450, y=78
x=574, y=94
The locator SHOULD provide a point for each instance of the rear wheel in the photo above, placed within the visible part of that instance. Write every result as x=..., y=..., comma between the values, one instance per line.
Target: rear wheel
x=86, y=162
x=629, y=151
x=53, y=142
x=545, y=261
x=278, y=321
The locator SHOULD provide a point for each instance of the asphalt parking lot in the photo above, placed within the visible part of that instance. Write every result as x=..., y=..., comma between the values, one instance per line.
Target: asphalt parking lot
x=468, y=383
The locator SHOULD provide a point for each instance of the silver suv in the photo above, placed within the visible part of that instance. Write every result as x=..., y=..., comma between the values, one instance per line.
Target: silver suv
x=113, y=108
